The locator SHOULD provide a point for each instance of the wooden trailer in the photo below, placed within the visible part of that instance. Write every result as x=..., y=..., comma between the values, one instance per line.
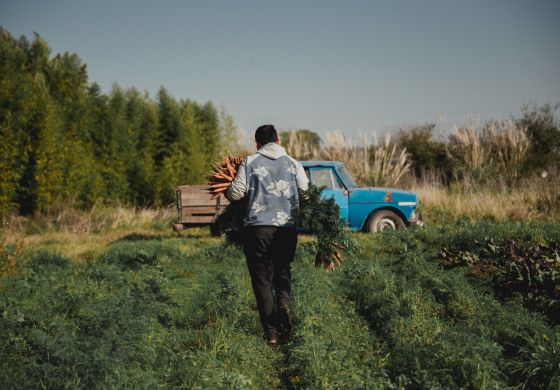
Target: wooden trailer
x=196, y=208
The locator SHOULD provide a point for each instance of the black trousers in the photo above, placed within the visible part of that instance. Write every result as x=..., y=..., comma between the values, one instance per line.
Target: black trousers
x=269, y=251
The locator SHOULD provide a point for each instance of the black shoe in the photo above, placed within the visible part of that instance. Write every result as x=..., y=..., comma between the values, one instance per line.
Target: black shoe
x=272, y=342
x=284, y=323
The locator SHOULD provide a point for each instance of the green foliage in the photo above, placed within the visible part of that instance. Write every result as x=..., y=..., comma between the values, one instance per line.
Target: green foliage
x=8, y=256
x=230, y=223
x=507, y=151
x=442, y=330
x=320, y=217
x=145, y=314
x=333, y=347
x=543, y=130
x=532, y=272
x=426, y=153
x=304, y=135
x=64, y=140
x=179, y=312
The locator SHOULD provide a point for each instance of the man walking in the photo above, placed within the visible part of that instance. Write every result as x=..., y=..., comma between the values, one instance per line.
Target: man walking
x=269, y=181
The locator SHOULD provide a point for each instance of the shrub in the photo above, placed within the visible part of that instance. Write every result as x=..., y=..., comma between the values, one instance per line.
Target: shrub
x=426, y=154
x=543, y=131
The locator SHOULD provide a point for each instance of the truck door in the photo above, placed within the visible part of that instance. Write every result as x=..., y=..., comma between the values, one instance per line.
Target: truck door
x=324, y=177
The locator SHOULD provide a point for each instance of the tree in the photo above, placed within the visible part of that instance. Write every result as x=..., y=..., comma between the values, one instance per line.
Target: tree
x=426, y=153
x=142, y=118
x=210, y=131
x=168, y=131
x=302, y=144
x=543, y=130
x=229, y=136
x=65, y=141
x=49, y=171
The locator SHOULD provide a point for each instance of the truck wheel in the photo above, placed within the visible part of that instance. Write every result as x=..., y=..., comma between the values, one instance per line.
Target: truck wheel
x=384, y=220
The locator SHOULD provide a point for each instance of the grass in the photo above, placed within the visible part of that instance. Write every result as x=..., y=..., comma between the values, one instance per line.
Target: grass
x=535, y=201
x=333, y=347
x=442, y=329
x=145, y=313
x=136, y=305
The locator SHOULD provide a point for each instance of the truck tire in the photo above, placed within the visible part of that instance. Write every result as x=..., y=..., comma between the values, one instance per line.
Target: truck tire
x=383, y=220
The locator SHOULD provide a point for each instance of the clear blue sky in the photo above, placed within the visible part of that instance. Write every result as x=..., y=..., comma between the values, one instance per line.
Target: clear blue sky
x=349, y=65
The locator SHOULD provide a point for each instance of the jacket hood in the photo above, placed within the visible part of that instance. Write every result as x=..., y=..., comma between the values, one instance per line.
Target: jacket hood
x=272, y=150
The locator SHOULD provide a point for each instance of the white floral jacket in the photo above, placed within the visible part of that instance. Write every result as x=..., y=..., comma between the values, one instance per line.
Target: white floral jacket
x=270, y=179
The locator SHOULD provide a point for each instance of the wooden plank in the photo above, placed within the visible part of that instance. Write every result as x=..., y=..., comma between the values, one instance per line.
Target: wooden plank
x=201, y=200
x=192, y=187
x=202, y=210
x=204, y=204
x=198, y=219
x=187, y=213
x=190, y=196
x=198, y=202
x=199, y=210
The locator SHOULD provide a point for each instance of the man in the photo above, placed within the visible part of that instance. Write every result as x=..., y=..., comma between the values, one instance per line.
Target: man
x=269, y=181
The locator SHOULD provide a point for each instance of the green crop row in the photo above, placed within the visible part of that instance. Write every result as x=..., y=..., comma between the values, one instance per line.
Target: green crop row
x=442, y=330
x=145, y=314
x=333, y=347
x=179, y=312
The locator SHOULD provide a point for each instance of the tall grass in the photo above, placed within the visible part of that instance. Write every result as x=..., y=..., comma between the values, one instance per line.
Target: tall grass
x=483, y=154
x=533, y=200
x=372, y=163
x=96, y=220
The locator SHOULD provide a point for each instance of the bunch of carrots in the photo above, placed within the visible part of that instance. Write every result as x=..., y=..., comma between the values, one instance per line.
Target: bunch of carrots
x=222, y=174
x=331, y=260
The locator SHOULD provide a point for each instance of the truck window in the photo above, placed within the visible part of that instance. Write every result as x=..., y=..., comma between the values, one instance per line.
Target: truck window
x=346, y=177
x=323, y=177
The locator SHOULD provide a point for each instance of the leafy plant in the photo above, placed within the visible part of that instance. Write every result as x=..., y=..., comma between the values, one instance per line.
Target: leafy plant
x=532, y=272
x=320, y=217
x=8, y=255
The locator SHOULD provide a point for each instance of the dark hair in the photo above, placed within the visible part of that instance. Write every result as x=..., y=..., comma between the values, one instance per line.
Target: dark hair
x=266, y=134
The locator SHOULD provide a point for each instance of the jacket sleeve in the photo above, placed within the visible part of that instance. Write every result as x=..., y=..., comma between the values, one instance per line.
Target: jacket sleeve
x=301, y=177
x=238, y=188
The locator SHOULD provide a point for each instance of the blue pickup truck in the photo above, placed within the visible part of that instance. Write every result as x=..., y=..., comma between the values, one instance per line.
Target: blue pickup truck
x=369, y=209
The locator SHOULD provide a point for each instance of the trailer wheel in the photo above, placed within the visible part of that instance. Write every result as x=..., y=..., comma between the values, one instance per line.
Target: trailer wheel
x=178, y=227
x=384, y=220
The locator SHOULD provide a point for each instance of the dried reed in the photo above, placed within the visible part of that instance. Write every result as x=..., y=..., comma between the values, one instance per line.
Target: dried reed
x=371, y=163
x=480, y=154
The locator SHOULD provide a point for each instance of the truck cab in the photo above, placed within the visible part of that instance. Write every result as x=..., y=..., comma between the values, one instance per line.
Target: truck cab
x=369, y=209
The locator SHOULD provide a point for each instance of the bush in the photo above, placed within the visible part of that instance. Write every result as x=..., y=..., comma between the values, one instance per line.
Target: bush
x=426, y=154
x=543, y=131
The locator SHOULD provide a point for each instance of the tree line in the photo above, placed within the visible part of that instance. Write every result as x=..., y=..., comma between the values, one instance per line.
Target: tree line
x=64, y=141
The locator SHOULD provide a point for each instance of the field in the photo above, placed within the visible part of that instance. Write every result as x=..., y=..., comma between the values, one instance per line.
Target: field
x=132, y=304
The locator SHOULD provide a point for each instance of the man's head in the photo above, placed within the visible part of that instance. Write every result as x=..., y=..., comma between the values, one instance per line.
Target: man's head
x=265, y=134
